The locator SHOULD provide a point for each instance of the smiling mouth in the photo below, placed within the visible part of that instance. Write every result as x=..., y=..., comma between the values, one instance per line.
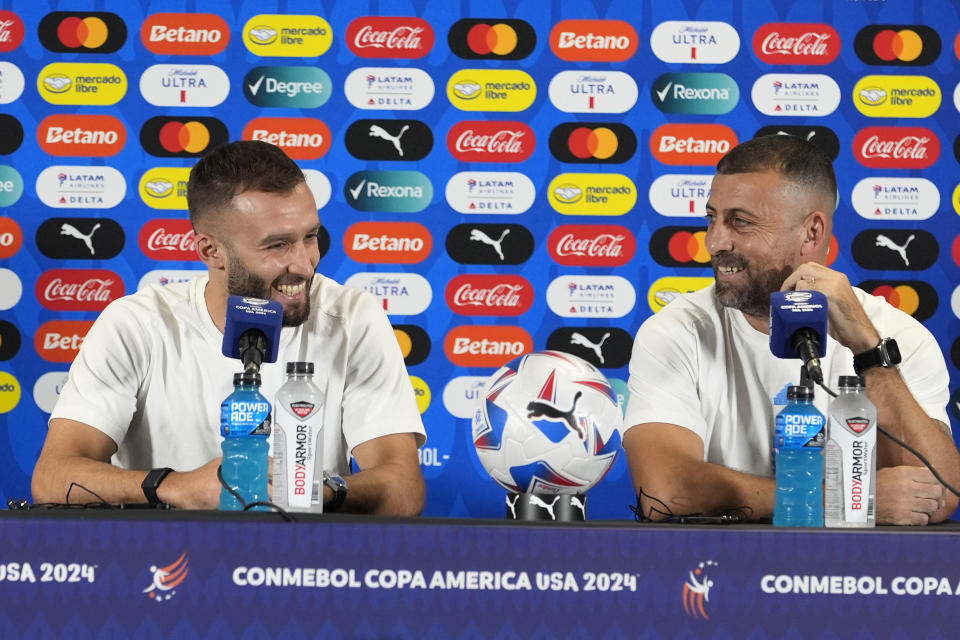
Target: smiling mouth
x=292, y=290
x=729, y=270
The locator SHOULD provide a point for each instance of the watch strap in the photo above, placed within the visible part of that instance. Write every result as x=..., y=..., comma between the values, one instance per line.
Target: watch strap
x=885, y=354
x=339, y=487
x=152, y=482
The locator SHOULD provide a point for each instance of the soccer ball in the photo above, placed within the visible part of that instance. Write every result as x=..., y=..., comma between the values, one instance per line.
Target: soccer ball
x=548, y=422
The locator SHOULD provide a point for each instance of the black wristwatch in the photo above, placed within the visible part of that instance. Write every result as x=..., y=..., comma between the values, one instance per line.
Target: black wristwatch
x=885, y=354
x=339, y=488
x=152, y=482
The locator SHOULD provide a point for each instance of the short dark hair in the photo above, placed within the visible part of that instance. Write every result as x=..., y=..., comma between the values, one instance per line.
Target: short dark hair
x=235, y=167
x=790, y=156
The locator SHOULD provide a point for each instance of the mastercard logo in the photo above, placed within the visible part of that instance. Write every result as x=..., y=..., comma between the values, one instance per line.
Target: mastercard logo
x=901, y=45
x=597, y=142
x=172, y=137
x=491, y=39
x=917, y=298
x=680, y=247
x=88, y=32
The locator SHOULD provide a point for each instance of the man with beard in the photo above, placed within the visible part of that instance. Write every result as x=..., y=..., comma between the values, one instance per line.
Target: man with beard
x=146, y=387
x=703, y=380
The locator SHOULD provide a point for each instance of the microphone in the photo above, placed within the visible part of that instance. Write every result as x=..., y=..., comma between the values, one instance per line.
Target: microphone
x=251, y=332
x=798, y=328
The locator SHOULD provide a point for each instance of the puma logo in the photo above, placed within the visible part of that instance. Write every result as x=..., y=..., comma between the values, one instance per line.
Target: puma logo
x=535, y=499
x=377, y=131
x=67, y=229
x=887, y=243
x=581, y=340
x=541, y=409
x=480, y=236
x=576, y=502
x=512, y=505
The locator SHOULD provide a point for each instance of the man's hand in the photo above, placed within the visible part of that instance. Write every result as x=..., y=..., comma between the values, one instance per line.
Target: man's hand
x=907, y=495
x=197, y=489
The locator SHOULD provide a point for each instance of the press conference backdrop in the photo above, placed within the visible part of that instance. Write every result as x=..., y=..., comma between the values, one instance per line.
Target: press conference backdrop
x=504, y=176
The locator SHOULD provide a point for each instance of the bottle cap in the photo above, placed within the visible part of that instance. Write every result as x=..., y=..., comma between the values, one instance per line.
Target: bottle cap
x=246, y=378
x=802, y=392
x=852, y=381
x=300, y=367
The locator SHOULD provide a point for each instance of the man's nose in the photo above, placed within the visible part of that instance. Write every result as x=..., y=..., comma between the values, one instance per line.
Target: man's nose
x=717, y=238
x=304, y=258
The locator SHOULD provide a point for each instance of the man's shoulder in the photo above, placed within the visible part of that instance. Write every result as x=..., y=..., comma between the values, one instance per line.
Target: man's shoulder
x=335, y=300
x=696, y=306
x=156, y=302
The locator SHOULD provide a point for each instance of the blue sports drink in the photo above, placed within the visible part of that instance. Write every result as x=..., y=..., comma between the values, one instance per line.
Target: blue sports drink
x=245, y=425
x=798, y=447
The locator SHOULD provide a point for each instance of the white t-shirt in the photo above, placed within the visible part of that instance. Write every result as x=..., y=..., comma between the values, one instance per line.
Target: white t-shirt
x=150, y=375
x=700, y=365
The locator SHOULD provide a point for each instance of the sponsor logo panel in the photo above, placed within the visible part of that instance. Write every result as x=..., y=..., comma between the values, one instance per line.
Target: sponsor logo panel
x=915, y=297
x=82, y=32
x=78, y=289
x=389, y=37
x=895, y=198
x=10, y=289
x=388, y=191
x=390, y=88
x=165, y=187
x=487, y=243
x=491, y=39
x=592, y=245
x=182, y=137
x=956, y=199
x=491, y=141
x=319, y=185
x=896, y=147
x=680, y=195
x=603, y=347
x=290, y=87
x=504, y=192
x=955, y=305
x=11, y=82
x=184, y=85
x=11, y=185
x=11, y=237
x=956, y=249
x=421, y=392
x=695, y=93
x=895, y=249
x=593, y=40
x=80, y=238
x=896, y=96
x=300, y=138
x=592, y=194
x=593, y=142
x=403, y=294
x=96, y=83
x=414, y=343
x=796, y=43
x=389, y=139
x=11, y=134
x=665, y=290
x=691, y=144
x=912, y=45
x=60, y=340
x=390, y=242
x=698, y=42
x=956, y=96
x=955, y=353
x=680, y=247
x=462, y=395
x=185, y=34
x=9, y=392
x=795, y=94
x=575, y=296
x=821, y=137
x=163, y=277
x=81, y=135
x=11, y=31
x=46, y=390
x=168, y=239
x=81, y=187
x=489, y=295
x=486, y=346
x=593, y=91
x=9, y=340
x=296, y=36
x=491, y=90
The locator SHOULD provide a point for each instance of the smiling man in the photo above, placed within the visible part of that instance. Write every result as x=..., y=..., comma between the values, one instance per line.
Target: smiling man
x=703, y=380
x=145, y=390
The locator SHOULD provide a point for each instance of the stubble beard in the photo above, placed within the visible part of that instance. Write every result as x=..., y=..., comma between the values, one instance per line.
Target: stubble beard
x=752, y=298
x=243, y=282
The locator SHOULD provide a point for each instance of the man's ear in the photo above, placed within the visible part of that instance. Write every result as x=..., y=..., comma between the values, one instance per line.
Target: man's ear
x=211, y=251
x=816, y=236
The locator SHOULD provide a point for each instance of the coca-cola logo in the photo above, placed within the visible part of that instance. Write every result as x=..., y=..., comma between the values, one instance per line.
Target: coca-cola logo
x=78, y=289
x=489, y=295
x=11, y=31
x=592, y=245
x=388, y=37
x=896, y=147
x=796, y=43
x=487, y=141
x=168, y=239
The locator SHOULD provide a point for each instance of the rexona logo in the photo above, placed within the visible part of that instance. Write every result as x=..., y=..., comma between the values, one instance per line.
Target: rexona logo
x=680, y=247
x=919, y=299
x=680, y=195
x=592, y=245
x=895, y=198
x=895, y=249
x=184, y=85
x=11, y=82
x=402, y=294
x=81, y=187
x=168, y=239
x=489, y=295
x=594, y=40
x=82, y=83
x=896, y=96
x=185, y=34
x=913, y=45
x=491, y=39
x=287, y=35
x=81, y=135
x=695, y=41
x=11, y=238
x=11, y=134
x=414, y=343
x=593, y=91
x=390, y=88
x=487, y=243
x=183, y=137
x=389, y=37
x=603, y=347
x=165, y=187
x=695, y=93
x=11, y=31
x=796, y=43
x=390, y=191
x=11, y=185
x=390, y=242
x=691, y=144
x=300, y=138
x=78, y=289
x=80, y=238
x=491, y=141
x=490, y=192
x=290, y=87
x=665, y=290
x=795, y=94
x=896, y=147
x=574, y=296
x=491, y=90
x=821, y=137
x=593, y=142
x=486, y=346
x=592, y=194
x=60, y=340
x=82, y=32
x=389, y=140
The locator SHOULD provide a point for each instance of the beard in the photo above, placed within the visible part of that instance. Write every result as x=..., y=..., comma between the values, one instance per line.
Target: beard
x=753, y=297
x=243, y=282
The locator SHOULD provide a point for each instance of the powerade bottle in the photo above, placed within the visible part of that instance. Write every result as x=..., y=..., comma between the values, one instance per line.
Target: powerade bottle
x=298, y=441
x=851, y=457
x=245, y=425
x=798, y=448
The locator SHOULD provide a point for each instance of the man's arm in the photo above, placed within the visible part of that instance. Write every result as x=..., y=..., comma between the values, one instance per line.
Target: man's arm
x=389, y=481
x=666, y=461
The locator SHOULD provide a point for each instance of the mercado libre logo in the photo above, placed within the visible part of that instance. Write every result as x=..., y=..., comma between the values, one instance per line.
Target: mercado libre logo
x=913, y=45
x=185, y=34
x=85, y=32
x=287, y=35
x=182, y=137
x=82, y=83
x=165, y=187
x=915, y=297
x=491, y=39
x=696, y=590
x=11, y=31
x=881, y=96
x=665, y=290
x=491, y=90
x=165, y=580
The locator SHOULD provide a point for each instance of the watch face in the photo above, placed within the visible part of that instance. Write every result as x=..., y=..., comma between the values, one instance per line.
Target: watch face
x=892, y=350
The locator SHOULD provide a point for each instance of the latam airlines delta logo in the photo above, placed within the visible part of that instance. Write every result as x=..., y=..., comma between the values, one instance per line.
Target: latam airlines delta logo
x=296, y=36
x=81, y=135
x=491, y=90
x=895, y=198
x=389, y=191
x=300, y=138
x=294, y=87
x=81, y=187
x=184, y=85
x=501, y=193
x=165, y=187
x=594, y=40
x=593, y=91
x=699, y=42
x=574, y=296
x=896, y=96
x=795, y=94
x=695, y=93
x=597, y=194
x=390, y=88
x=82, y=83
x=185, y=34
x=389, y=37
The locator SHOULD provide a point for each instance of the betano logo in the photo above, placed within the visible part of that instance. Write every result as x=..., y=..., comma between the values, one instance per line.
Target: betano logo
x=86, y=32
x=11, y=31
x=593, y=40
x=663, y=291
x=896, y=147
x=294, y=87
x=391, y=88
x=300, y=138
x=680, y=247
x=96, y=83
x=171, y=137
x=895, y=198
x=896, y=96
x=699, y=42
x=795, y=94
x=695, y=93
x=295, y=36
x=486, y=346
x=81, y=135
x=165, y=187
x=185, y=34
x=11, y=237
x=592, y=245
x=796, y=43
x=898, y=45
x=680, y=195
x=592, y=194
x=491, y=39
x=593, y=142
x=389, y=242
x=60, y=340
x=491, y=90
x=402, y=294
x=593, y=91
x=184, y=85
x=389, y=37
x=692, y=144
x=390, y=191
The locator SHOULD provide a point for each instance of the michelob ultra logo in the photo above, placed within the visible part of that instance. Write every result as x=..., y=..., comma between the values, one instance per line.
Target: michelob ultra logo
x=185, y=34
x=680, y=195
x=287, y=35
x=592, y=194
x=184, y=85
x=697, y=42
x=695, y=93
x=300, y=138
x=81, y=135
x=593, y=91
x=11, y=82
x=401, y=294
x=491, y=39
x=82, y=83
x=896, y=96
x=294, y=87
x=594, y=40
x=389, y=191
x=82, y=32
x=491, y=90
x=665, y=290
x=165, y=187
x=392, y=88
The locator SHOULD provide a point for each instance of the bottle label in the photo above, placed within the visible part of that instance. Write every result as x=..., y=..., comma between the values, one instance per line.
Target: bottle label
x=300, y=422
x=798, y=430
x=849, y=470
x=244, y=417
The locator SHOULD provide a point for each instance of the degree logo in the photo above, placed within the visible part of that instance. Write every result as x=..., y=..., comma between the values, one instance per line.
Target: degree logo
x=81, y=135
x=503, y=193
x=795, y=94
x=912, y=45
x=391, y=88
x=414, y=343
x=821, y=137
x=88, y=32
x=592, y=194
x=11, y=134
x=491, y=90
x=917, y=298
x=11, y=31
x=593, y=40
x=9, y=392
x=487, y=243
x=80, y=238
x=680, y=247
x=680, y=195
x=593, y=91
x=165, y=187
x=60, y=340
x=11, y=82
x=9, y=340
x=603, y=347
x=896, y=96
x=695, y=93
x=186, y=137
x=592, y=245
x=491, y=39
x=389, y=139
x=293, y=87
x=698, y=42
x=486, y=345
x=402, y=294
x=895, y=249
x=896, y=147
x=691, y=144
x=185, y=34
x=576, y=296
x=295, y=36
x=390, y=191
x=389, y=37
x=595, y=142
x=82, y=83
x=300, y=138
x=11, y=185
x=392, y=242
x=11, y=237
x=184, y=85
x=895, y=198
x=665, y=290
x=796, y=43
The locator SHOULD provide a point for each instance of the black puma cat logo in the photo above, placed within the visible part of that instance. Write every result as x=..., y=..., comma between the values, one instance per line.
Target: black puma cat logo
x=540, y=409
